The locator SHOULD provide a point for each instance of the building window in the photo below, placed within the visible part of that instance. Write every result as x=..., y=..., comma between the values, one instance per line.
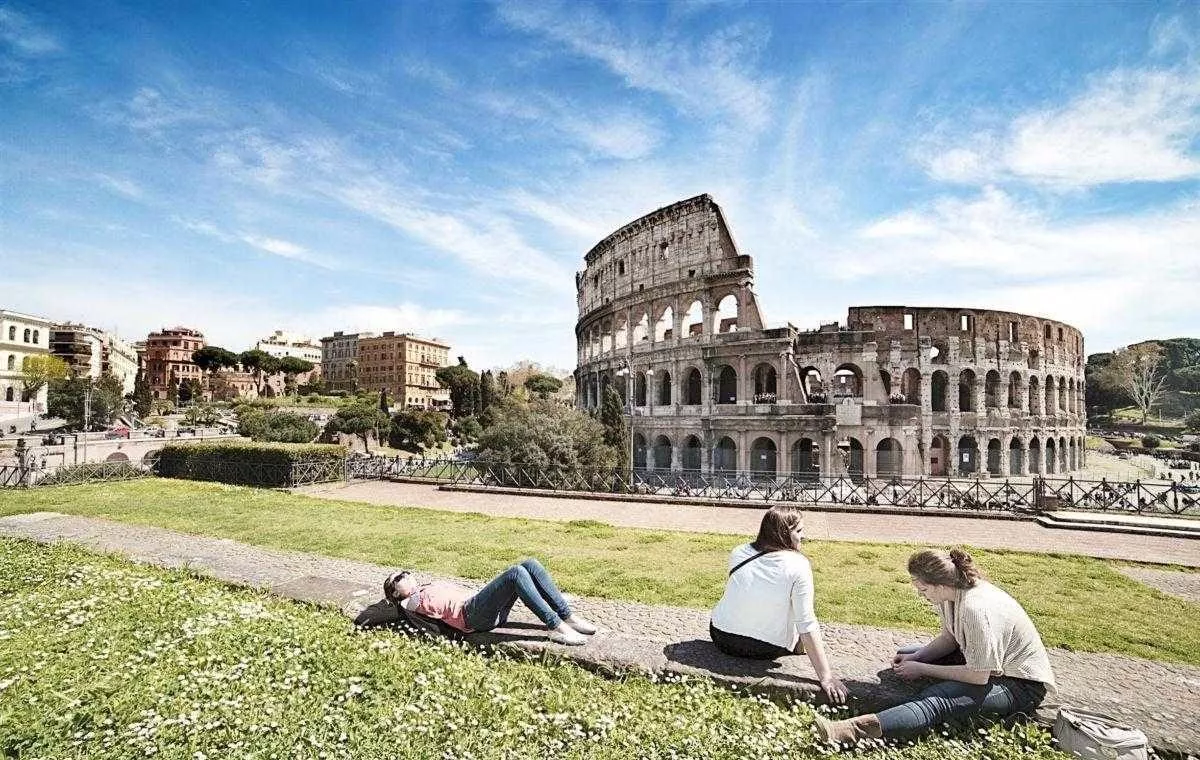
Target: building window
x=964, y=322
x=908, y=321
x=12, y=362
x=37, y=336
x=12, y=333
x=1012, y=332
x=26, y=335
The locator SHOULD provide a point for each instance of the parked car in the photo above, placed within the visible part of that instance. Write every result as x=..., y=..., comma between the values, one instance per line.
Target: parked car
x=117, y=432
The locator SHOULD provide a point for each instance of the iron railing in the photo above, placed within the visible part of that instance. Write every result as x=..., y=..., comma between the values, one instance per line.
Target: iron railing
x=978, y=495
x=70, y=475
x=221, y=469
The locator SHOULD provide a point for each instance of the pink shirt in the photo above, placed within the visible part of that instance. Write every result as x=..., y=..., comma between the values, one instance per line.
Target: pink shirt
x=443, y=601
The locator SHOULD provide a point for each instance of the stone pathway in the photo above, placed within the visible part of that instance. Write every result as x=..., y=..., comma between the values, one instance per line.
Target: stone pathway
x=1155, y=696
x=1183, y=585
x=988, y=533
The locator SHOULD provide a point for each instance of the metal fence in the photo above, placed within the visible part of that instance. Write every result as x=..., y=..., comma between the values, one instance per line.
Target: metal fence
x=93, y=472
x=220, y=469
x=979, y=495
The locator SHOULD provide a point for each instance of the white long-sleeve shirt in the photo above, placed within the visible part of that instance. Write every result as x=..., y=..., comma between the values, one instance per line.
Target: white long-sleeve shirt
x=769, y=599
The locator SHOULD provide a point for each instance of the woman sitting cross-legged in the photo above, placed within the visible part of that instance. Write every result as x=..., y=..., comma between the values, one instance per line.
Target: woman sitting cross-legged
x=490, y=606
x=988, y=658
x=767, y=609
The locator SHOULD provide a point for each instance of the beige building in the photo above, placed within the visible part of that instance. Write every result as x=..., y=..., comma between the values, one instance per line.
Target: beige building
x=339, y=360
x=405, y=366
x=281, y=344
x=168, y=358
x=21, y=335
x=91, y=352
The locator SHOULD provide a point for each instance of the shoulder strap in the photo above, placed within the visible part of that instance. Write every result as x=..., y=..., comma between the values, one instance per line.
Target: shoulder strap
x=746, y=561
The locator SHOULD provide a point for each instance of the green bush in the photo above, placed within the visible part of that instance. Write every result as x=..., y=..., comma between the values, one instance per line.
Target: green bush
x=1150, y=442
x=274, y=465
x=276, y=426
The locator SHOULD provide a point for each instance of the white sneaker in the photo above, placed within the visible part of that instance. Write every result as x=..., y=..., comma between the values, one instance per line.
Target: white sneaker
x=568, y=637
x=581, y=625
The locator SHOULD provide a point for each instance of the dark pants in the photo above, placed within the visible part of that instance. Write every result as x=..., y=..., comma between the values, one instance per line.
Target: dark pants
x=744, y=646
x=950, y=700
x=529, y=582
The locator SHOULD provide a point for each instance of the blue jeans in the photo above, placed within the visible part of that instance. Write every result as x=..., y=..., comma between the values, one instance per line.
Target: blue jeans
x=529, y=582
x=948, y=700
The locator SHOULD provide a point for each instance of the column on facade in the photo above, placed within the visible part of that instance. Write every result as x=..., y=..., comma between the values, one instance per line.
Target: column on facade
x=745, y=382
x=869, y=463
x=743, y=451
x=1005, y=464
x=827, y=461
x=924, y=450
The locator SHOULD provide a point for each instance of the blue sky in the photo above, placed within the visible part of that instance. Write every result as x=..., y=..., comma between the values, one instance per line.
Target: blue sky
x=442, y=168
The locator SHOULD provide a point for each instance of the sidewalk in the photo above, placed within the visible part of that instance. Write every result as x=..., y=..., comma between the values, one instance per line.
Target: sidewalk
x=1156, y=697
x=987, y=533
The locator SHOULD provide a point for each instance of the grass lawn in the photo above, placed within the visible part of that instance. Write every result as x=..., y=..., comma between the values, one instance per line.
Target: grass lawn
x=103, y=658
x=1076, y=602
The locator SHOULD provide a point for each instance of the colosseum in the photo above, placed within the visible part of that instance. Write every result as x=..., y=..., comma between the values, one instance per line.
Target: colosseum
x=669, y=319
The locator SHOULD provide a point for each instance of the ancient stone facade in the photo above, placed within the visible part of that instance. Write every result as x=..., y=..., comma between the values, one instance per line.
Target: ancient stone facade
x=668, y=316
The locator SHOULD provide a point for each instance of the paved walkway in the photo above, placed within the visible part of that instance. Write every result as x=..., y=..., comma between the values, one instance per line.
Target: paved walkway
x=1022, y=535
x=1155, y=696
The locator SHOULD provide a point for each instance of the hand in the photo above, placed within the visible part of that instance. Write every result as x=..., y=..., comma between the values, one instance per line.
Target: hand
x=835, y=690
x=903, y=657
x=908, y=669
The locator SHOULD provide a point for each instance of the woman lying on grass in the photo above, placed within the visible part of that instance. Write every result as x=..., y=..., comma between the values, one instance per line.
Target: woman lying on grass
x=988, y=659
x=489, y=607
x=767, y=609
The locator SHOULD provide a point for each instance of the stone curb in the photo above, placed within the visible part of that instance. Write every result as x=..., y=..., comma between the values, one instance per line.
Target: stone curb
x=640, y=638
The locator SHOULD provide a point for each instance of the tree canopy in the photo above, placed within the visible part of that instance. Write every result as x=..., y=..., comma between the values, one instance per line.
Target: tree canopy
x=463, y=383
x=37, y=371
x=543, y=385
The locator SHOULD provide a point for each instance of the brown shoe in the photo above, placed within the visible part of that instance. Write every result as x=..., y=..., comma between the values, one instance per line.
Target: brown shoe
x=850, y=731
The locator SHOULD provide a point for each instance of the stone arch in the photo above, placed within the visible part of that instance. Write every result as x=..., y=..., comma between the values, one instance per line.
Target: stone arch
x=639, y=389
x=1036, y=465
x=1062, y=454
x=606, y=337
x=151, y=456
x=726, y=385
x=116, y=456
x=855, y=461
x=1061, y=387
x=939, y=353
x=663, y=453
x=1016, y=456
x=991, y=389
x=805, y=462
x=848, y=381
x=1073, y=459
x=1035, y=396
x=725, y=456
x=641, y=329
x=693, y=320
x=639, y=451
x=693, y=453
x=938, y=386
x=910, y=386
x=764, y=457
x=966, y=391
x=664, y=388
x=889, y=459
x=725, y=318
x=1014, y=390
x=1051, y=456
x=693, y=394
x=1048, y=405
x=664, y=328
x=765, y=384
x=621, y=334
x=939, y=456
x=968, y=455
x=813, y=384
x=993, y=457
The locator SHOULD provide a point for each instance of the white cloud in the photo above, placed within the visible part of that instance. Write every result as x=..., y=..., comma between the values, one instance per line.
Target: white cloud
x=24, y=37
x=288, y=250
x=122, y=186
x=1129, y=125
x=710, y=79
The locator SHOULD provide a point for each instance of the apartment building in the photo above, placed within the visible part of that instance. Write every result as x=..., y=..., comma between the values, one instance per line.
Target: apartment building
x=21, y=335
x=281, y=344
x=405, y=366
x=168, y=357
x=339, y=360
x=91, y=352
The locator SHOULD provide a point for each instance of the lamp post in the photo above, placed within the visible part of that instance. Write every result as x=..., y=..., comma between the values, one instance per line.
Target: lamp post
x=625, y=373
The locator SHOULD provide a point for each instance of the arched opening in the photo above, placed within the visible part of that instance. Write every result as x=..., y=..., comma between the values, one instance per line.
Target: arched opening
x=911, y=386
x=993, y=457
x=814, y=388
x=1014, y=390
x=25, y=336
x=116, y=456
x=621, y=337
x=991, y=389
x=889, y=459
x=938, y=354
x=847, y=381
x=8, y=393
x=641, y=330
x=639, y=451
x=727, y=386
x=1062, y=454
x=885, y=382
x=938, y=385
x=855, y=461
x=725, y=318
x=764, y=384
x=1035, y=456
x=606, y=337
x=622, y=389
x=151, y=457
x=1016, y=457
x=805, y=462
x=664, y=389
x=692, y=394
x=1051, y=459
x=966, y=391
x=1049, y=400
x=939, y=456
x=692, y=453
x=1061, y=386
x=1035, y=397
x=639, y=389
x=763, y=457
x=664, y=328
x=725, y=457
x=693, y=320
x=1072, y=459
x=662, y=453
x=968, y=455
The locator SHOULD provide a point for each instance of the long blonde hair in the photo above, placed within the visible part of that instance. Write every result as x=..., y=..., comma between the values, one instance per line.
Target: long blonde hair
x=954, y=568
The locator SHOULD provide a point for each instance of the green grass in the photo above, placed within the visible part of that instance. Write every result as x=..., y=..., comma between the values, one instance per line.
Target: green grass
x=1076, y=602
x=103, y=658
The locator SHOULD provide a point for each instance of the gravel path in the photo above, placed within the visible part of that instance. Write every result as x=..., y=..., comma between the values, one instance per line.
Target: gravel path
x=1173, y=582
x=1155, y=696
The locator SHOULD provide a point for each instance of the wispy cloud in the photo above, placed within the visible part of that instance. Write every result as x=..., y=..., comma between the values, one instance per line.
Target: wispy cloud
x=121, y=186
x=1129, y=125
x=289, y=250
x=24, y=37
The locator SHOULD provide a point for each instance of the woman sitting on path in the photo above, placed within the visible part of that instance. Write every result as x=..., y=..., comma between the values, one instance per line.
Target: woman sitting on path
x=489, y=607
x=988, y=659
x=767, y=609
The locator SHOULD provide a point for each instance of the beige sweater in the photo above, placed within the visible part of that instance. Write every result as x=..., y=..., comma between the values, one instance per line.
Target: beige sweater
x=995, y=634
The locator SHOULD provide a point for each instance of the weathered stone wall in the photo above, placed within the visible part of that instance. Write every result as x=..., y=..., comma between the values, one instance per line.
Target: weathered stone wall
x=667, y=315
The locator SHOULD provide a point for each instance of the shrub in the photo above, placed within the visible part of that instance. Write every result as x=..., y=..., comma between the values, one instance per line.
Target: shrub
x=1192, y=421
x=414, y=429
x=275, y=465
x=1150, y=442
x=547, y=437
x=277, y=426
